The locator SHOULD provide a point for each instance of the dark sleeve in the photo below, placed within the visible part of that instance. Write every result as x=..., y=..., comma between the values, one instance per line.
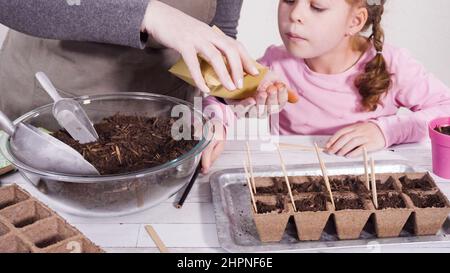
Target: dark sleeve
x=227, y=16
x=104, y=21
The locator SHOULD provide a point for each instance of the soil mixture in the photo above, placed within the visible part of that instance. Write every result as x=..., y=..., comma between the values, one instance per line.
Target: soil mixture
x=390, y=200
x=386, y=186
x=130, y=143
x=349, y=184
x=343, y=203
x=279, y=186
x=427, y=200
x=423, y=184
x=315, y=203
x=267, y=208
x=312, y=186
x=443, y=130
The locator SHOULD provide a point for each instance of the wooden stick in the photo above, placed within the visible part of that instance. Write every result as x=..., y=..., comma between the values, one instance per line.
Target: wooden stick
x=158, y=242
x=366, y=168
x=6, y=169
x=250, y=188
x=374, y=184
x=283, y=167
x=249, y=159
x=299, y=146
x=324, y=173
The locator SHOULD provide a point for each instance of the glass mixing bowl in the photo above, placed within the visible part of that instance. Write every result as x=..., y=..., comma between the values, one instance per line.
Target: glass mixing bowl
x=114, y=195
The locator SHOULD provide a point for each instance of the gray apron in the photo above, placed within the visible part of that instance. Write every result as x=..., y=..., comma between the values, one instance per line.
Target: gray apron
x=82, y=68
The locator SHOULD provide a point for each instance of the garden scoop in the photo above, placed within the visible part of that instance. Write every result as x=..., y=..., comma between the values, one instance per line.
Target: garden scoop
x=69, y=113
x=42, y=151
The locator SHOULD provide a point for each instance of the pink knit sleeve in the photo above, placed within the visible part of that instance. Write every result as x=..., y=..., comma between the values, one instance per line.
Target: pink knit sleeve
x=422, y=93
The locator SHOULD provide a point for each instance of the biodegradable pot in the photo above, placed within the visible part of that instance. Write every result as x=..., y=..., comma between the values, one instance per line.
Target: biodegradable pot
x=440, y=148
x=389, y=222
x=271, y=226
x=428, y=221
x=350, y=222
x=28, y=226
x=310, y=224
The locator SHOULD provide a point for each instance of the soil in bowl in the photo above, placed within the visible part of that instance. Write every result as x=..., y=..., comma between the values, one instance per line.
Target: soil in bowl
x=130, y=143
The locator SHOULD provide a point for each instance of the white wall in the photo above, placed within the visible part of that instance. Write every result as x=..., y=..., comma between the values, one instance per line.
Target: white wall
x=421, y=26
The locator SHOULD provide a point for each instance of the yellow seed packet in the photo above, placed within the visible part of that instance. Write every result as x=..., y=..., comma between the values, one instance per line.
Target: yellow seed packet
x=251, y=83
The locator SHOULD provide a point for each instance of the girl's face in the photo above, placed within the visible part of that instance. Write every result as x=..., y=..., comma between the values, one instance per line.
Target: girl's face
x=311, y=28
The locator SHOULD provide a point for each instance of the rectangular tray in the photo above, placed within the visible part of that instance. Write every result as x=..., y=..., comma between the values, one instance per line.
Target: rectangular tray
x=236, y=229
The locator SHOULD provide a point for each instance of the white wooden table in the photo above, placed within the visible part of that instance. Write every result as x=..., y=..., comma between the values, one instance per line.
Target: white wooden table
x=193, y=228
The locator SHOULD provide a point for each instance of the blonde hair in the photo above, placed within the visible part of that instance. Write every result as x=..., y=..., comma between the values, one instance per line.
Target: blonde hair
x=375, y=81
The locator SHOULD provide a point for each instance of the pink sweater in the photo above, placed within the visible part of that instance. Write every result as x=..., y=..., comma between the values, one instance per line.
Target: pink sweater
x=331, y=102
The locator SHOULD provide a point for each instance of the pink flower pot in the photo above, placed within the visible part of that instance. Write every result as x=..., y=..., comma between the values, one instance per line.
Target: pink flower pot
x=440, y=148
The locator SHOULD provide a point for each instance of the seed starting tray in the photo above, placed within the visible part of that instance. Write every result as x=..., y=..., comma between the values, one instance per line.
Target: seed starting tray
x=28, y=226
x=240, y=229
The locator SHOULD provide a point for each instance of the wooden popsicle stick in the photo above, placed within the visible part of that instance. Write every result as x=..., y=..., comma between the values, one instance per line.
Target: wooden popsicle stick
x=283, y=167
x=299, y=146
x=249, y=159
x=158, y=242
x=6, y=169
x=250, y=188
x=366, y=168
x=374, y=183
x=324, y=174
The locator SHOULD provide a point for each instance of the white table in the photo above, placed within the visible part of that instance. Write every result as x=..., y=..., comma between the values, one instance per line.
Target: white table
x=193, y=228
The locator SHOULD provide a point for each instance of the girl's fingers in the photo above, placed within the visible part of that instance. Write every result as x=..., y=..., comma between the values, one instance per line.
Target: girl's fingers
x=206, y=157
x=191, y=60
x=217, y=151
x=252, y=112
x=241, y=107
x=210, y=155
x=215, y=58
x=351, y=145
x=283, y=97
x=356, y=153
x=261, y=99
x=341, y=142
x=338, y=135
x=272, y=99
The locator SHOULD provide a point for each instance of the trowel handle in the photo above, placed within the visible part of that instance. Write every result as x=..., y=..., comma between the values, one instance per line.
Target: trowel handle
x=48, y=86
x=6, y=124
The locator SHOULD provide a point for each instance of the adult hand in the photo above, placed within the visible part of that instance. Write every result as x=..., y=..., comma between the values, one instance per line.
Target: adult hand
x=190, y=37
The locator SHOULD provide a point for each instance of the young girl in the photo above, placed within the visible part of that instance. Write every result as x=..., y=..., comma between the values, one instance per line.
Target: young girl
x=350, y=86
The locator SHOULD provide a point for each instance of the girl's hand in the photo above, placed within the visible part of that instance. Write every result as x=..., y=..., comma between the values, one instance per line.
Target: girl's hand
x=349, y=141
x=215, y=148
x=190, y=37
x=271, y=97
